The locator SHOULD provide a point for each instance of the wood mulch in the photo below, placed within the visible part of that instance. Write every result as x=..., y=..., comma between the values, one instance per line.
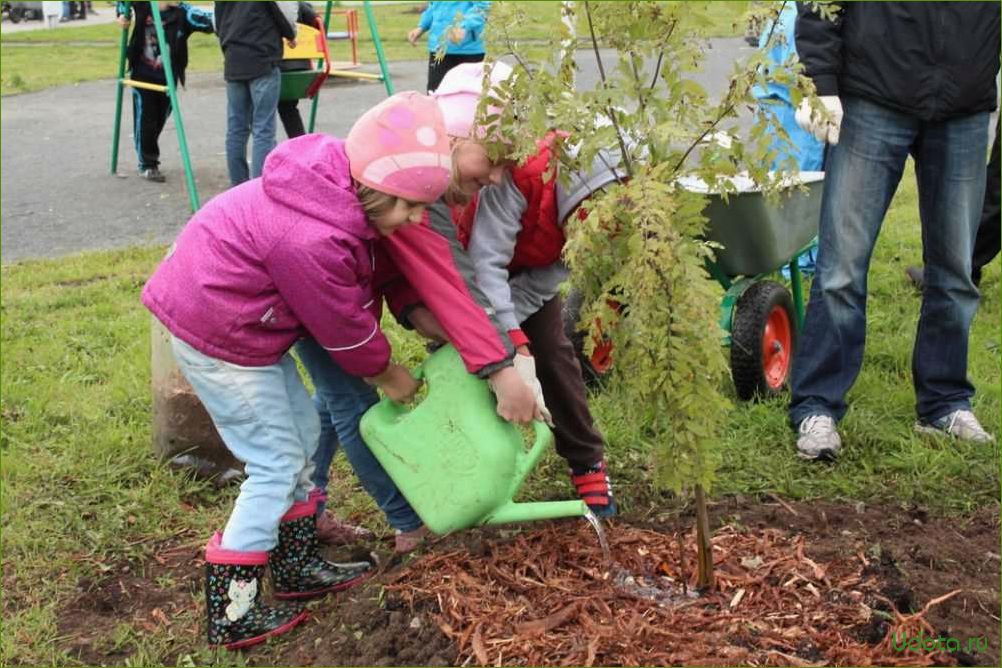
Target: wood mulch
x=548, y=597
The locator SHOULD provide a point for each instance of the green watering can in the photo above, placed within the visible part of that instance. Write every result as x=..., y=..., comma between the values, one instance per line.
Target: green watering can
x=456, y=462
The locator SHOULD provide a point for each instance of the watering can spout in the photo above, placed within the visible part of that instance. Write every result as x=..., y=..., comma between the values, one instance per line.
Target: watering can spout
x=541, y=510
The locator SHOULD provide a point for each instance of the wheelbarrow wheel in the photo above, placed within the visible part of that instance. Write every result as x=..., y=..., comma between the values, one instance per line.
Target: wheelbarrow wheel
x=595, y=366
x=763, y=338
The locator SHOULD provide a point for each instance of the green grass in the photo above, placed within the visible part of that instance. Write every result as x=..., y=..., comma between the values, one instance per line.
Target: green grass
x=82, y=491
x=34, y=60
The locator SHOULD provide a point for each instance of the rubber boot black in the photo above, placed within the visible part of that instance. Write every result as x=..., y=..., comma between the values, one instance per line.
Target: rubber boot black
x=237, y=617
x=297, y=569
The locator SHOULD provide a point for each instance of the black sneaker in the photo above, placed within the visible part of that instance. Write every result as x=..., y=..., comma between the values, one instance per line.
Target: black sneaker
x=152, y=174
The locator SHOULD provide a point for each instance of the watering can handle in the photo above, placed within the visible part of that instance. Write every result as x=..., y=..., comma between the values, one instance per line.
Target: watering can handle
x=544, y=437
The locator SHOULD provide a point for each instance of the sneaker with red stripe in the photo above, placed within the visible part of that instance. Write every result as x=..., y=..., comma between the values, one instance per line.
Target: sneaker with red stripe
x=594, y=488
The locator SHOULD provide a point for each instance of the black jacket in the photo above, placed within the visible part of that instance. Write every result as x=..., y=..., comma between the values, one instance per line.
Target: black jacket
x=932, y=60
x=178, y=22
x=307, y=16
x=250, y=34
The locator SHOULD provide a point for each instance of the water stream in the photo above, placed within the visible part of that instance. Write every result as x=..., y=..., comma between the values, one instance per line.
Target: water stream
x=596, y=524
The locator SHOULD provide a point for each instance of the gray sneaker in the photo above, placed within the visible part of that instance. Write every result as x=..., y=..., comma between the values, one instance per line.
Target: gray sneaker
x=960, y=424
x=152, y=174
x=818, y=438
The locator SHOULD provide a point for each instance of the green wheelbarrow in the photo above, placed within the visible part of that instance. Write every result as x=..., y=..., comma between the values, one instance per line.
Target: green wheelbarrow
x=759, y=315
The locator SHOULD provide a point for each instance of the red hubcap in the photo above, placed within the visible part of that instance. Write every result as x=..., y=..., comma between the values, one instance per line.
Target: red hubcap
x=601, y=357
x=777, y=347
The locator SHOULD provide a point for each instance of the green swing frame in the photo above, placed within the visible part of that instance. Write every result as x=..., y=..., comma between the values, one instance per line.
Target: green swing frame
x=171, y=90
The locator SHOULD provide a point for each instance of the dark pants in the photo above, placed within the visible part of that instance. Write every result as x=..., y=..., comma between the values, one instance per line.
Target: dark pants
x=986, y=246
x=437, y=68
x=558, y=370
x=150, y=110
x=861, y=177
x=288, y=112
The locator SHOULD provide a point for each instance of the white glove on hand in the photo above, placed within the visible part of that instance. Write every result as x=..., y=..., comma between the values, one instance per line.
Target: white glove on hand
x=526, y=367
x=811, y=120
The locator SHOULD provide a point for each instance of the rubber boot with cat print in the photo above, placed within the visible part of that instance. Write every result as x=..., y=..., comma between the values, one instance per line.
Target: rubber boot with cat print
x=236, y=615
x=297, y=569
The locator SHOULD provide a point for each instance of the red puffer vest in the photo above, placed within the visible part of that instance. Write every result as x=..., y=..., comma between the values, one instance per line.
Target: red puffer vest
x=541, y=239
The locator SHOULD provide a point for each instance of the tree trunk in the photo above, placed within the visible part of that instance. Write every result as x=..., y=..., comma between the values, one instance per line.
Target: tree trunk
x=705, y=581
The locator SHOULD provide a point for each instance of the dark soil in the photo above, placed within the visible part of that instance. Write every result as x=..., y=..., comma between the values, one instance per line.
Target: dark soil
x=914, y=558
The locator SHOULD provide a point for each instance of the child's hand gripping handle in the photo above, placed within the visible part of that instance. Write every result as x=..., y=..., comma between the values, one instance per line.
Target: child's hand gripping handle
x=397, y=383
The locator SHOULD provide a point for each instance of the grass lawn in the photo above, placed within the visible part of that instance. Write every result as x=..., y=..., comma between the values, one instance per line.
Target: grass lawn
x=38, y=59
x=82, y=492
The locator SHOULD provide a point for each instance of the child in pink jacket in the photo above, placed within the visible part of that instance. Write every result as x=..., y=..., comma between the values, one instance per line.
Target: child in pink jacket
x=264, y=264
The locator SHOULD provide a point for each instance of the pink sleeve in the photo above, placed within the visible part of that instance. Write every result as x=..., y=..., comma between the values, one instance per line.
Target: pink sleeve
x=430, y=257
x=400, y=295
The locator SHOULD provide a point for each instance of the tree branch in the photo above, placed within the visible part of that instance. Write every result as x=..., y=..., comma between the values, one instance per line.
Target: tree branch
x=730, y=92
x=627, y=163
x=661, y=55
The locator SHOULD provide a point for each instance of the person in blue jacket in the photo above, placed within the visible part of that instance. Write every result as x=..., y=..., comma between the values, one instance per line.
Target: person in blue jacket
x=457, y=28
x=775, y=99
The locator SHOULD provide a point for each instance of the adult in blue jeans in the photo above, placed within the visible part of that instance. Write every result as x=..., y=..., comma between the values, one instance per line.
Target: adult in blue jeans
x=341, y=399
x=895, y=79
x=250, y=35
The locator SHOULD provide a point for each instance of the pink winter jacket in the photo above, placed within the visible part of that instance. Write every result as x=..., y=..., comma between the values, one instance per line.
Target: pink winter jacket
x=275, y=259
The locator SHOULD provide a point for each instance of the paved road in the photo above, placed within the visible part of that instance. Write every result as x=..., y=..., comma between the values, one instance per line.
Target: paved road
x=105, y=15
x=58, y=197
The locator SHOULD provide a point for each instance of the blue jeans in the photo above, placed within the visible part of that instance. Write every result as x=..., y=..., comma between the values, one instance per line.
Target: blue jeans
x=251, y=107
x=266, y=418
x=862, y=175
x=341, y=400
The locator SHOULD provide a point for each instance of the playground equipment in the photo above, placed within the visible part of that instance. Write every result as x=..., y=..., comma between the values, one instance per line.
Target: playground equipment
x=456, y=462
x=296, y=84
x=171, y=91
x=346, y=69
x=758, y=315
x=311, y=44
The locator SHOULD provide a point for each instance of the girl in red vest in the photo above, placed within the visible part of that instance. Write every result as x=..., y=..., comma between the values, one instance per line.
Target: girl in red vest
x=513, y=231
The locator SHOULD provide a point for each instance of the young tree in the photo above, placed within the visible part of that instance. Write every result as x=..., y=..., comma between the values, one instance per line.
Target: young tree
x=640, y=256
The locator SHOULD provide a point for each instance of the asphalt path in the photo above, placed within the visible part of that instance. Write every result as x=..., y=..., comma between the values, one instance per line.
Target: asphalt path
x=57, y=195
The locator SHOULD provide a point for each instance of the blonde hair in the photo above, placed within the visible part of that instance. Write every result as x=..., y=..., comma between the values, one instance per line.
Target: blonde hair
x=454, y=194
x=374, y=202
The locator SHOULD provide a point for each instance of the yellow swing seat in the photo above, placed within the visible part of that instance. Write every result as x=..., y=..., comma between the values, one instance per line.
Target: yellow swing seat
x=311, y=44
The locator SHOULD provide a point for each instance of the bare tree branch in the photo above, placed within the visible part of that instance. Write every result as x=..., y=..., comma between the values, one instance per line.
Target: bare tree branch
x=730, y=93
x=627, y=163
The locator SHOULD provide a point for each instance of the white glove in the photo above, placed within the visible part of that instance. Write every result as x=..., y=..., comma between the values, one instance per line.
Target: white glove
x=811, y=120
x=526, y=367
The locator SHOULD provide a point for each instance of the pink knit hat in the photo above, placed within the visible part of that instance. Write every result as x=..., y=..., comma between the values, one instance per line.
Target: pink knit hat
x=400, y=147
x=459, y=94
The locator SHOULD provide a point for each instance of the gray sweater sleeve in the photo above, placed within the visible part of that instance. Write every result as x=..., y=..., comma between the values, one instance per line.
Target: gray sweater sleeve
x=532, y=288
x=492, y=245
